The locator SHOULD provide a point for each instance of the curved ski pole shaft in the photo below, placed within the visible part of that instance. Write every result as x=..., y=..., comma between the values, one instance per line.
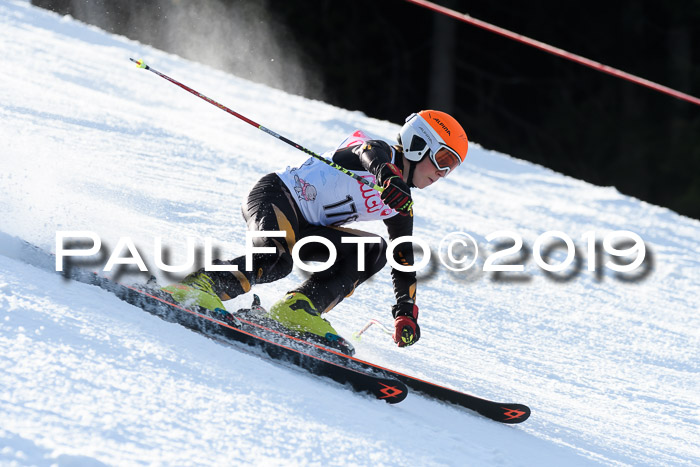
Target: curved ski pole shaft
x=357, y=335
x=142, y=64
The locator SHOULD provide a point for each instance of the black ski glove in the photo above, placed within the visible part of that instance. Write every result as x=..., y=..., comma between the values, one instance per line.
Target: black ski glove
x=406, y=329
x=396, y=194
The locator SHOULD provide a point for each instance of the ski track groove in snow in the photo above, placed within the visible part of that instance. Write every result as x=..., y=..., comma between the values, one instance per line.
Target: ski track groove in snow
x=89, y=142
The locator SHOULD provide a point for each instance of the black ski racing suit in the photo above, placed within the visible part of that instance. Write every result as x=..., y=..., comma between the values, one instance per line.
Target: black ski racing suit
x=270, y=206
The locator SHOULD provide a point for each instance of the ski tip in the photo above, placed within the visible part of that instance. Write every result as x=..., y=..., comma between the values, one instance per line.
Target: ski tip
x=513, y=413
x=390, y=390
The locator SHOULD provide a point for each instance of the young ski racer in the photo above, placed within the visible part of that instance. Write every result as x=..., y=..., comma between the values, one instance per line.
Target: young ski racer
x=317, y=199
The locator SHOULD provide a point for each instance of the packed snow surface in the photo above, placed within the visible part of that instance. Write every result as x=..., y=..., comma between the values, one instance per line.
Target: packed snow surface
x=608, y=362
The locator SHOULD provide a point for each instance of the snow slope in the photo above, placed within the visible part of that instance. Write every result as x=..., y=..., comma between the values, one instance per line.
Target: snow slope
x=90, y=142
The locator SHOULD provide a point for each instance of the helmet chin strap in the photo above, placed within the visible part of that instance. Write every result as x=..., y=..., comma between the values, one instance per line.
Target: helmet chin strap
x=411, y=165
x=411, y=170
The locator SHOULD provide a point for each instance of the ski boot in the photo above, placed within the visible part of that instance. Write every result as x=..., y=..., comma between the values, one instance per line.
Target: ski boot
x=197, y=289
x=296, y=313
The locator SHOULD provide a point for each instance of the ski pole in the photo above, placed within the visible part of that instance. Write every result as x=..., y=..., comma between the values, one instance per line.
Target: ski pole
x=142, y=64
x=358, y=335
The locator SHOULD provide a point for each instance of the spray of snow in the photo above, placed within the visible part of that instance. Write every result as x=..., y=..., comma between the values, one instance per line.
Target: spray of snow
x=242, y=37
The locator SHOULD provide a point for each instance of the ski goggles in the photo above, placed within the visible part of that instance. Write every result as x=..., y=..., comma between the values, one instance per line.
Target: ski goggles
x=441, y=155
x=445, y=159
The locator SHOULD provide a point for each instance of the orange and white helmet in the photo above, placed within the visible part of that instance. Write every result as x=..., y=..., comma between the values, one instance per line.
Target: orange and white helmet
x=437, y=135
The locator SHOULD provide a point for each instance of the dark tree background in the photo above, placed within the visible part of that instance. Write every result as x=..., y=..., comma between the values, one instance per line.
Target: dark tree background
x=389, y=58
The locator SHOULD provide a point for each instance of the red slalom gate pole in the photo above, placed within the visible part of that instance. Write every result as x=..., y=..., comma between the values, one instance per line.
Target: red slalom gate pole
x=142, y=64
x=556, y=51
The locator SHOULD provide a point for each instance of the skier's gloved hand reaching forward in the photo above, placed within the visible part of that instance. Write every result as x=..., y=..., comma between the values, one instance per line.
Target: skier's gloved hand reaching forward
x=396, y=194
x=406, y=329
